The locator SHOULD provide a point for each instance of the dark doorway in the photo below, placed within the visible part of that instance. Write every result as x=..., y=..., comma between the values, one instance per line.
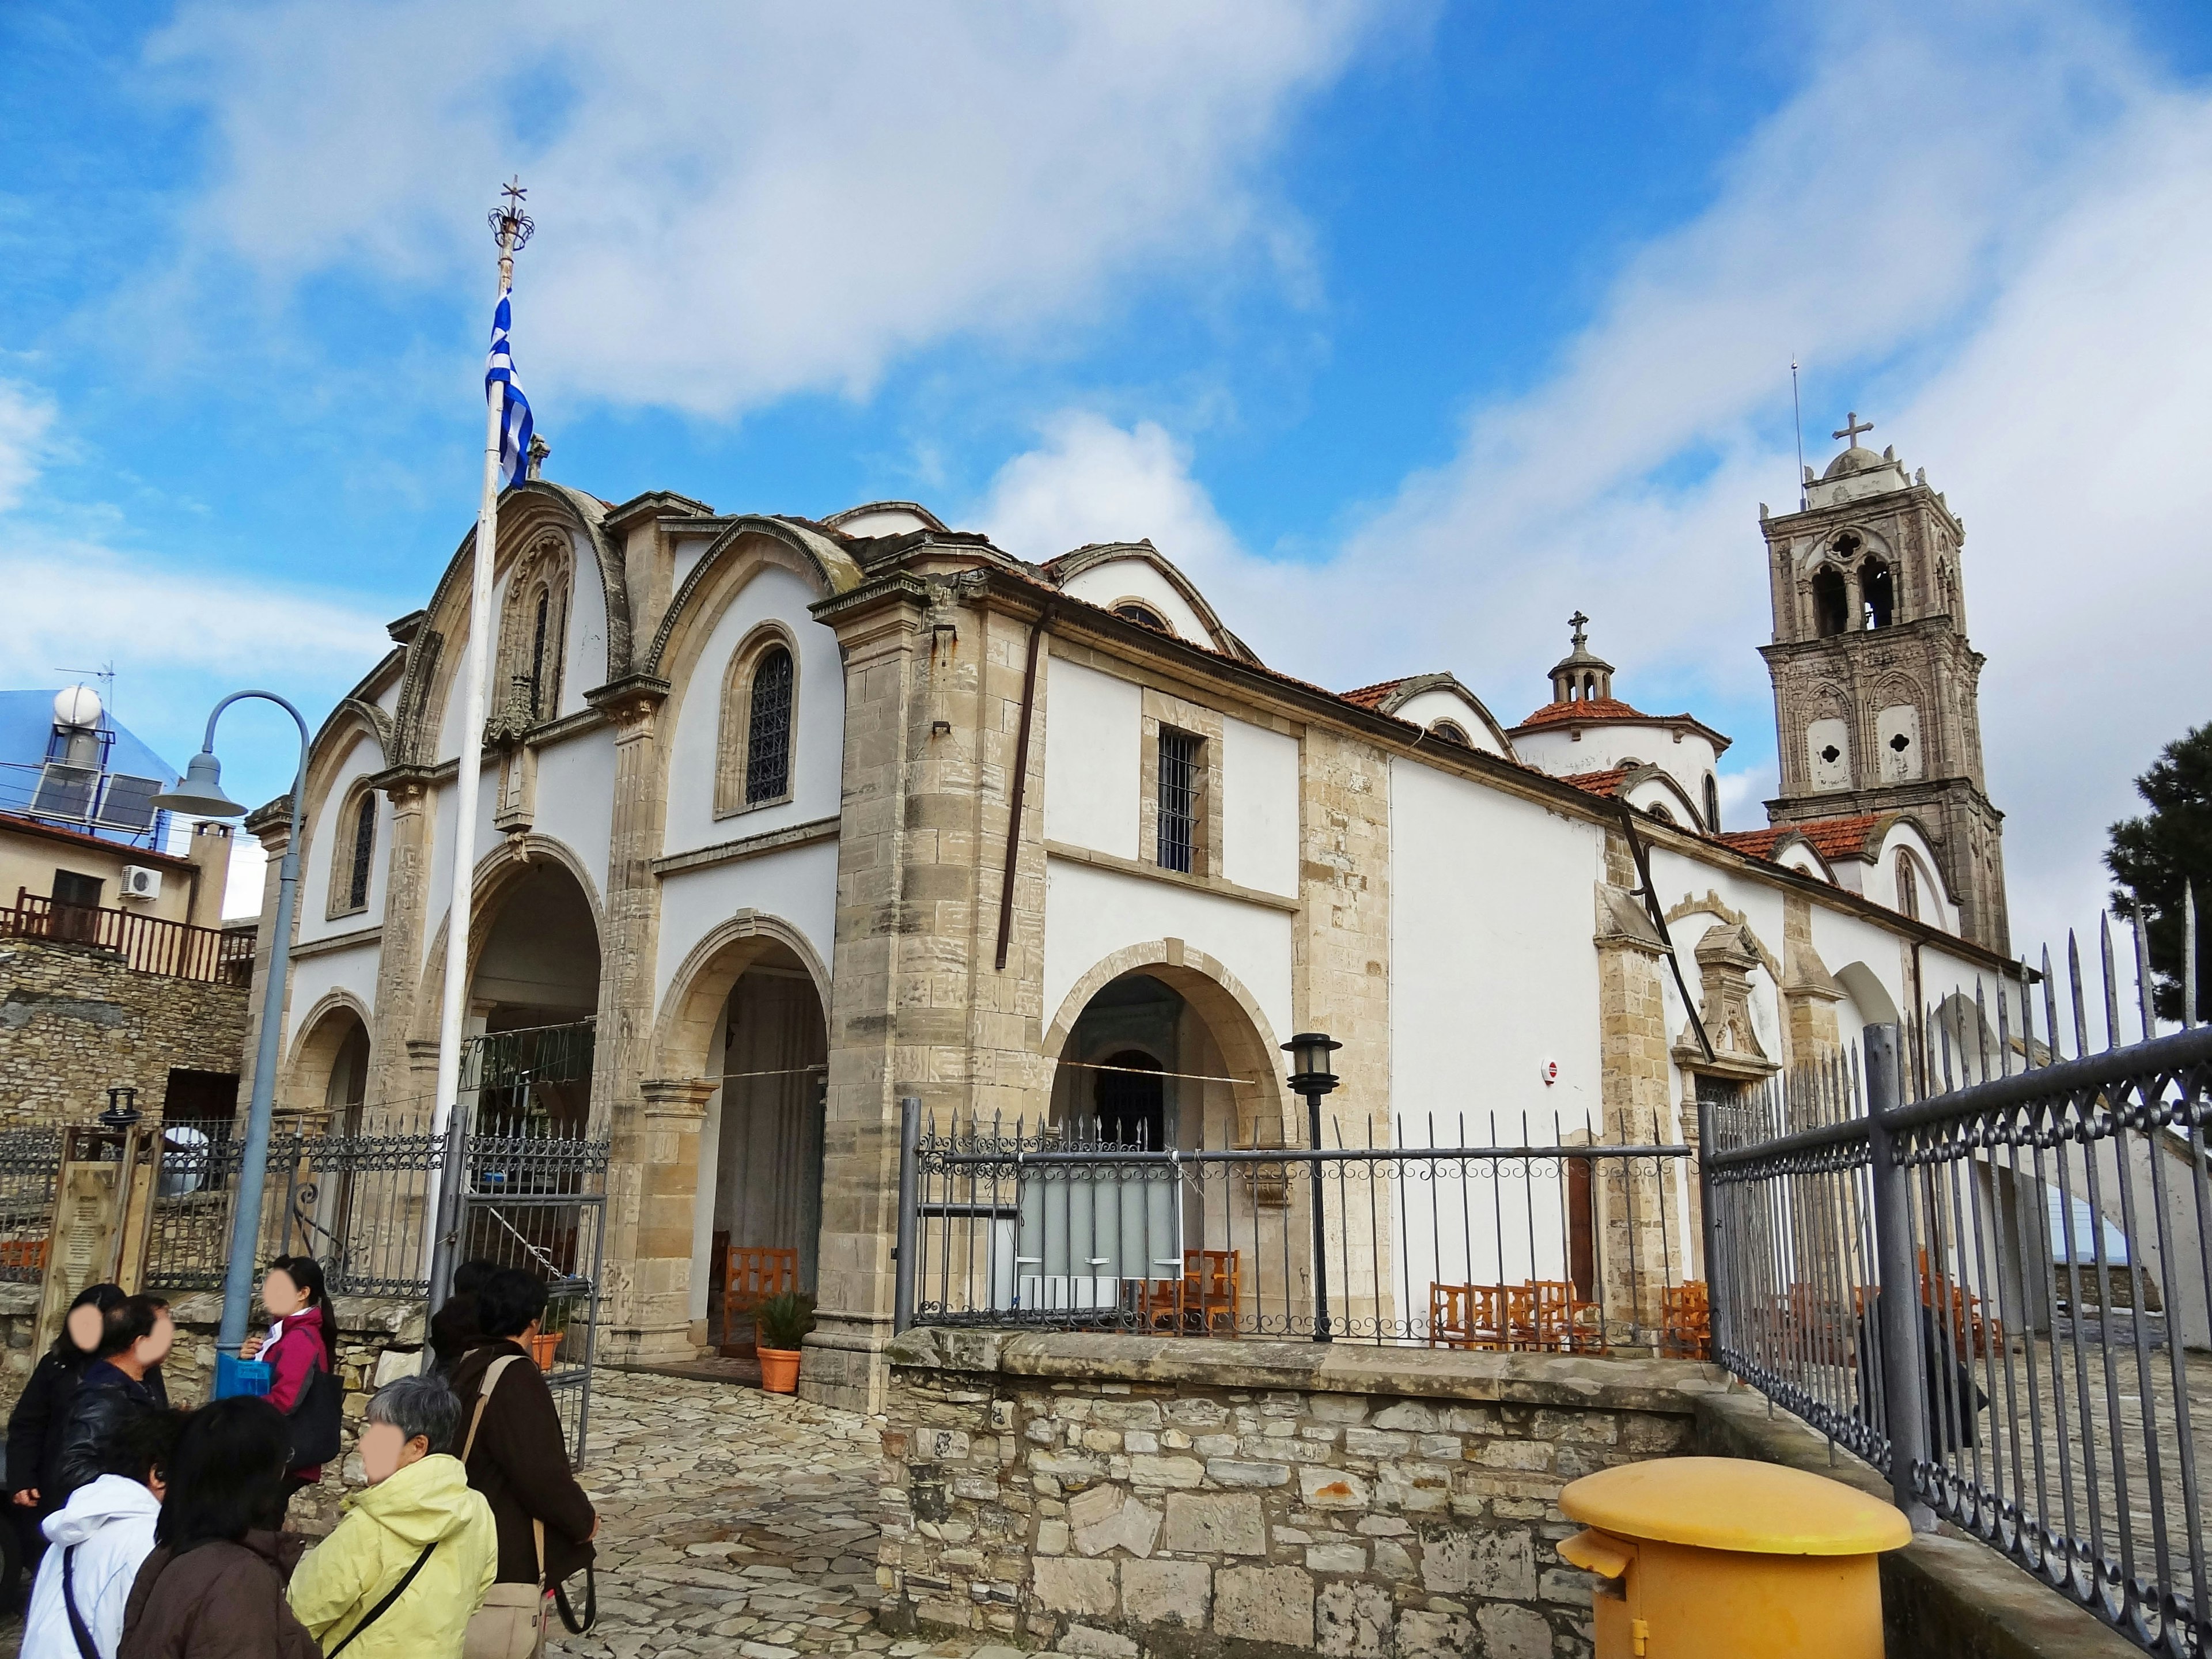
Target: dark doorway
x=1582, y=1230
x=206, y=1101
x=1130, y=1098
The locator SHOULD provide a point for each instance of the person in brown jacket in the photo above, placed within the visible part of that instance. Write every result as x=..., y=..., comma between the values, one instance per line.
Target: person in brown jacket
x=214, y=1587
x=520, y=1461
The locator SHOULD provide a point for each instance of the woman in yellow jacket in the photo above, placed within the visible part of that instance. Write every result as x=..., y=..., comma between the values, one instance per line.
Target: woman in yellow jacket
x=412, y=1560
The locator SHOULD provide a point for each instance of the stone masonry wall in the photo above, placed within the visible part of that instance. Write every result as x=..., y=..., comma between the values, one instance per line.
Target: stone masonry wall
x=1115, y=1495
x=75, y=1021
x=369, y=1329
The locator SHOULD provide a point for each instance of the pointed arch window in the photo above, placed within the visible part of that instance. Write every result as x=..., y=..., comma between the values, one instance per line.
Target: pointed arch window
x=353, y=854
x=1908, y=886
x=533, y=625
x=1712, y=805
x=760, y=701
x=1877, y=594
x=1831, y=604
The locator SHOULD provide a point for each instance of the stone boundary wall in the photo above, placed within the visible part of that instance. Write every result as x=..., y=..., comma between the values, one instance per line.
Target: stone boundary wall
x=76, y=1020
x=1111, y=1495
x=368, y=1327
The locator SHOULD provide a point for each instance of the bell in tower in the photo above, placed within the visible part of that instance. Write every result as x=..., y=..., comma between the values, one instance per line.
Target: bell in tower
x=1876, y=690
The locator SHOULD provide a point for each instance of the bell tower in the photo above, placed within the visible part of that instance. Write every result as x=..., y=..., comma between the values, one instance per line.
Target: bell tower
x=1876, y=691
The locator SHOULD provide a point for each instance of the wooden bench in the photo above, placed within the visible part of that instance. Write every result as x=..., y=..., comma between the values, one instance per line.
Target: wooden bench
x=751, y=1273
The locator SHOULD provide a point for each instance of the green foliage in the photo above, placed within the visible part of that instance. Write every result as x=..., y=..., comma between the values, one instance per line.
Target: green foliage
x=782, y=1321
x=2157, y=857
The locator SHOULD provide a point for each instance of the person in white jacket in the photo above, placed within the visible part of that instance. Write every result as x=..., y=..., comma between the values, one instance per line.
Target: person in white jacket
x=97, y=1542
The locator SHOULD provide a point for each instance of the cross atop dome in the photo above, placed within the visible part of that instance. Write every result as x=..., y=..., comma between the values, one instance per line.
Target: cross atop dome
x=1851, y=427
x=1580, y=676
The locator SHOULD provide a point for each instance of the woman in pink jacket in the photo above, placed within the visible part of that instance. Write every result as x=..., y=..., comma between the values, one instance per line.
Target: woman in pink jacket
x=301, y=1327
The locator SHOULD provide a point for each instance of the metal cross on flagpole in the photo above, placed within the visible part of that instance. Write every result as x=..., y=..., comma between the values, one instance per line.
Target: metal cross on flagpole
x=511, y=226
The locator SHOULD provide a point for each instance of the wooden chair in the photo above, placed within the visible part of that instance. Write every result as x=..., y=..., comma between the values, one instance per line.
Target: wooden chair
x=750, y=1274
x=1212, y=1290
x=1468, y=1316
x=1686, y=1321
x=1552, y=1316
x=1160, y=1305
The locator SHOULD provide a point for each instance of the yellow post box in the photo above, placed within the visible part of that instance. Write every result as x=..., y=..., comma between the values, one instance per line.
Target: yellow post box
x=1719, y=1558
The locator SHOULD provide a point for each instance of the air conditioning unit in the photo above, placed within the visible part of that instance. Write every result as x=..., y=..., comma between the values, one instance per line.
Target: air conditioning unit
x=140, y=882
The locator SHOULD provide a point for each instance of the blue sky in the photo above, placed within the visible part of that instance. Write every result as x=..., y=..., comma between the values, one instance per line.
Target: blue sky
x=1407, y=328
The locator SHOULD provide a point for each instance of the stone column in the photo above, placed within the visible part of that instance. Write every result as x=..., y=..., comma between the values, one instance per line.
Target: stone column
x=659, y=1142
x=934, y=671
x=400, y=947
x=1340, y=984
x=641, y=1312
x=1636, y=1078
x=270, y=825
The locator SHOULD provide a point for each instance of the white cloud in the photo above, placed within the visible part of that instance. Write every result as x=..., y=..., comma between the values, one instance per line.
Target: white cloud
x=735, y=202
x=75, y=602
x=1983, y=226
x=25, y=418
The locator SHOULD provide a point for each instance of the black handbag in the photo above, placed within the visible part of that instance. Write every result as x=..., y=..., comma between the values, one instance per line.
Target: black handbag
x=317, y=1416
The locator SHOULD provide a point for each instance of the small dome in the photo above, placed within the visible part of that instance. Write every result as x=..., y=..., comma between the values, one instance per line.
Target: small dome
x=1853, y=459
x=76, y=707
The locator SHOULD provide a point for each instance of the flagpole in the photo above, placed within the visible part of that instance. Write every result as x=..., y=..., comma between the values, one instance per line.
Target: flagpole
x=512, y=226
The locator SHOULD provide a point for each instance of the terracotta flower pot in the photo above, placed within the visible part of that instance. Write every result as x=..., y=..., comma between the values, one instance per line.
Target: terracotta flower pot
x=544, y=1346
x=778, y=1371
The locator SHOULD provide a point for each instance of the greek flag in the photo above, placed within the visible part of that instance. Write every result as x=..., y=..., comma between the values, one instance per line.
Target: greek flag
x=515, y=428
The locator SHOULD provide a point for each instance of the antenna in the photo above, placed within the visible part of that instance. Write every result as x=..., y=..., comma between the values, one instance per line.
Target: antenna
x=1797, y=410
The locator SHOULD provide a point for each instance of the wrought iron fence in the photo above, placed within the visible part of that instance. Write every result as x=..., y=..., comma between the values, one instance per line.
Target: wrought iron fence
x=1987, y=1270
x=149, y=943
x=1557, y=1240
x=30, y=1164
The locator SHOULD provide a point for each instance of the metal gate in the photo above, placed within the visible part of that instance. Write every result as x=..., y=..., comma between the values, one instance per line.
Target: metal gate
x=534, y=1191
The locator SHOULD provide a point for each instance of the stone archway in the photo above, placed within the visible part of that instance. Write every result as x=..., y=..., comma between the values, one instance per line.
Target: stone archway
x=1160, y=1047
x=740, y=1064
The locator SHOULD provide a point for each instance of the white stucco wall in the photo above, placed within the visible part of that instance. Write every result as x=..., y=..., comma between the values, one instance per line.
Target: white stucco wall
x=441, y=854
x=576, y=798
x=1493, y=972
x=798, y=884
x=775, y=595
x=1093, y=747
x=585, y=666
x=1107, y=585
x=1442, y=703
x=1683, y=754
x=1260, y=808
x=329, y=838
x=315, y=977
x=1090, y=914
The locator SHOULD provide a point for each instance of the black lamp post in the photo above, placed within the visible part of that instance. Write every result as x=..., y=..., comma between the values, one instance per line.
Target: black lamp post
x=1310, y=1076
x=122, y=1108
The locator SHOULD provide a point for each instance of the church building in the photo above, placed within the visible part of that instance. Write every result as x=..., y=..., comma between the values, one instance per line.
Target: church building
x=810, y=815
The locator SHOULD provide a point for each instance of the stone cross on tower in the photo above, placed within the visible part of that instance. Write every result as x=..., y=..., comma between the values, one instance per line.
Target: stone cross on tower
x=1578, y=622
x=1852, y=427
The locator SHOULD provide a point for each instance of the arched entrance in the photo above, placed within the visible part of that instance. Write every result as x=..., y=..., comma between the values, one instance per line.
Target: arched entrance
x=760, y=1156
x=1165, y=1055
x=536, y=981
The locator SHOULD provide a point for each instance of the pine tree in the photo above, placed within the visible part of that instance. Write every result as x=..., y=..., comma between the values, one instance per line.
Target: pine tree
x=2156, y=857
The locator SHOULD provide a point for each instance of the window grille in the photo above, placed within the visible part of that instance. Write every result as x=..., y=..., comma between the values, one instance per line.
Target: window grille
x=364, y=845
x=768, y=729
x=1178, y=800
x=537, y=656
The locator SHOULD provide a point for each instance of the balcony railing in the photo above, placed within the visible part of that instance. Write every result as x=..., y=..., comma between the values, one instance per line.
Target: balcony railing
x=148, y=943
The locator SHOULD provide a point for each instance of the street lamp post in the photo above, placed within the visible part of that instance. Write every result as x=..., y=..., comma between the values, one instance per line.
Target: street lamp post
x=1310, y=1076
x=201, y=793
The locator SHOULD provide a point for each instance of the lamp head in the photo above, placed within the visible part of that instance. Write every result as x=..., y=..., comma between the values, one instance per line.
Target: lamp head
x=122, y=1108
x=1309, y=1052
x=200, y=791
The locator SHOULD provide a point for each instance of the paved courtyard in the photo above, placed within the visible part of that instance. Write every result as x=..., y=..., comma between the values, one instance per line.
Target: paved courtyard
x=733, y=1523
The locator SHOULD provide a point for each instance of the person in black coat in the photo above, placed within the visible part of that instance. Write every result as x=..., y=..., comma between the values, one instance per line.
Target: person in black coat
x=520, y=1461
x=34, y=1427
x=125, y=1381
x=453, y=1327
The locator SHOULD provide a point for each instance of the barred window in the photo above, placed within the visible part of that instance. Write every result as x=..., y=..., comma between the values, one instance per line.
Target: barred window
x=537, y=658
x=768, y=729
x=1178, y=798
x=364, y=847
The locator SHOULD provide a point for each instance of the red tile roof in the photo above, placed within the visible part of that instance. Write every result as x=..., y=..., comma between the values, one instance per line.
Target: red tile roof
x=1371, y=696
x=1590, y=710
x=1607, y=784
x=1833, y=838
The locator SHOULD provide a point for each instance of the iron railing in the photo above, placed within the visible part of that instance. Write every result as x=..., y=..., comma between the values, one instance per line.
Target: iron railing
x=150, y=944
x=1542, y=1237
x=30, y=1164
x=1985, y=1267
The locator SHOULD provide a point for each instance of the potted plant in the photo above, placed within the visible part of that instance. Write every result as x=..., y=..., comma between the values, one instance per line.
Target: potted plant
x=779, y=1325
x=545, y=1346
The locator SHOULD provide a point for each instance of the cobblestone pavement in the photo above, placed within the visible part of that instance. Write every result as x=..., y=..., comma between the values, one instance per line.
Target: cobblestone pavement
x=731, y=1523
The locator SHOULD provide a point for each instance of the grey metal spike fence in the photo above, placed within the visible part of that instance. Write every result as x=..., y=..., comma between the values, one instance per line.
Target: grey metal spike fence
x=2030, y=1231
